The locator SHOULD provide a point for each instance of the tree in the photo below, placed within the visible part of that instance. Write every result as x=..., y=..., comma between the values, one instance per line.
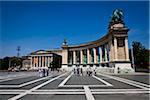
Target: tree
x=4, y=63
x=141, y=55
x=13, y=62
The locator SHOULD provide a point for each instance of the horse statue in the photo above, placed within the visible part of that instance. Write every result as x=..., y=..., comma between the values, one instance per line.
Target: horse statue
x=117, y=16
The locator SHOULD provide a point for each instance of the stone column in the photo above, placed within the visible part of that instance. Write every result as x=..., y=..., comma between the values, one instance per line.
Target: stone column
x=74, y=57
x=39, y=61
x=88, y=56
x=31, y=62
x=111, y=54
x=81, y=57
x=106, y=53
x=100, y=49
x=95, y=57
x=115, y=48
x=48, y=61
x=45, y=61
x=42, y=60
x=126, y=49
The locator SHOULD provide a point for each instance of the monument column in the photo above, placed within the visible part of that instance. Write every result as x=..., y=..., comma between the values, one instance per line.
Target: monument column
x=126, y=49
x=39, y=61
x=95, y=57
x=115, y=48
x=81, y=57
x=74, y=57
x=48, y=61
x=31, y=62
x=100, y=49
x=106, y=53
x=88, y=56
x=42, y=61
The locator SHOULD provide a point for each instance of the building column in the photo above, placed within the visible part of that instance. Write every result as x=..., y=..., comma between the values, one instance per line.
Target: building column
x=88, y=56
x=42, y=61
x=106, y=53
x=100, y=49
x=39, y=61
x=48, y=61
x=115, y=48
x=81, y=57
x=95, y=56
x=111, y=51
x=45, y=61
x=126, y=49
x=31, y=62
x=74, y=57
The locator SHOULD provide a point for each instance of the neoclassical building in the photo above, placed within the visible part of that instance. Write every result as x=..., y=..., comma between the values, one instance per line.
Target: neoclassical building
x=110, y=53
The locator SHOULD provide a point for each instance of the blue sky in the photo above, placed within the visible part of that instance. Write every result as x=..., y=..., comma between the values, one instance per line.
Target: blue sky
x=44, y=25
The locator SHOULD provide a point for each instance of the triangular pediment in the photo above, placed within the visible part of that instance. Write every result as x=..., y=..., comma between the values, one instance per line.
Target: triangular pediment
x=40, y=52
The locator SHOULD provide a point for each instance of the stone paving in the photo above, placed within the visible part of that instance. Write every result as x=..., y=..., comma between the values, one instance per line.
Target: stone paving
x=67, y=86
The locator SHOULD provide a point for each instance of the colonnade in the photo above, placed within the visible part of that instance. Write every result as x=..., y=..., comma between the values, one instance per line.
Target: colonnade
x=41, y=61
x=93, y=55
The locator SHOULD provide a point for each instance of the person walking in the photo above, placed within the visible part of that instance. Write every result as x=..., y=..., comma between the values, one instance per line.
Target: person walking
x=81, y=70
x=40, y=72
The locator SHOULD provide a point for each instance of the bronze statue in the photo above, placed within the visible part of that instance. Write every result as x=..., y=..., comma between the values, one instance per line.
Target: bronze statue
x=117, y=16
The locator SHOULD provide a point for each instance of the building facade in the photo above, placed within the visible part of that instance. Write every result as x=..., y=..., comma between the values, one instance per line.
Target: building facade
x=107, y=54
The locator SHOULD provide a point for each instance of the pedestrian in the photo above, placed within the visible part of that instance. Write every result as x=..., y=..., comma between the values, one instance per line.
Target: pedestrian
x=74, y=71
x=94, y=71
x=77, y=71
x=81, y=71
x=88, y=71
x=47, y=72
x=40, y=72
x=118, y=70
x=43, y=72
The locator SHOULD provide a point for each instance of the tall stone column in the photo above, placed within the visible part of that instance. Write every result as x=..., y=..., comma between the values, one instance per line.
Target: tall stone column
x=39, y=61
x=100, y=49
x=95, y=56
x=88, y=56
x=31, y=62
x=106, y=53
x=45, y=61
x=42, y=61
x=81, y=57
x=115, y=48
x=126, y=49
x=48, y=61
x=74, y=57
x=111, y=54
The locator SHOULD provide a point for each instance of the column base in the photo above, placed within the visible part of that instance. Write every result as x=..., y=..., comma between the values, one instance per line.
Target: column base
x=123, y=67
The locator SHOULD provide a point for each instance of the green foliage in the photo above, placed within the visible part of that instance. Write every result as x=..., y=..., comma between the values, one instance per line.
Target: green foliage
x=10, y=61
x=4, y=63
x=141, y=55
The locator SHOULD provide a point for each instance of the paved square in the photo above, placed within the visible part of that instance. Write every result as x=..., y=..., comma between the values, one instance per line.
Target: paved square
x=67, y=86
